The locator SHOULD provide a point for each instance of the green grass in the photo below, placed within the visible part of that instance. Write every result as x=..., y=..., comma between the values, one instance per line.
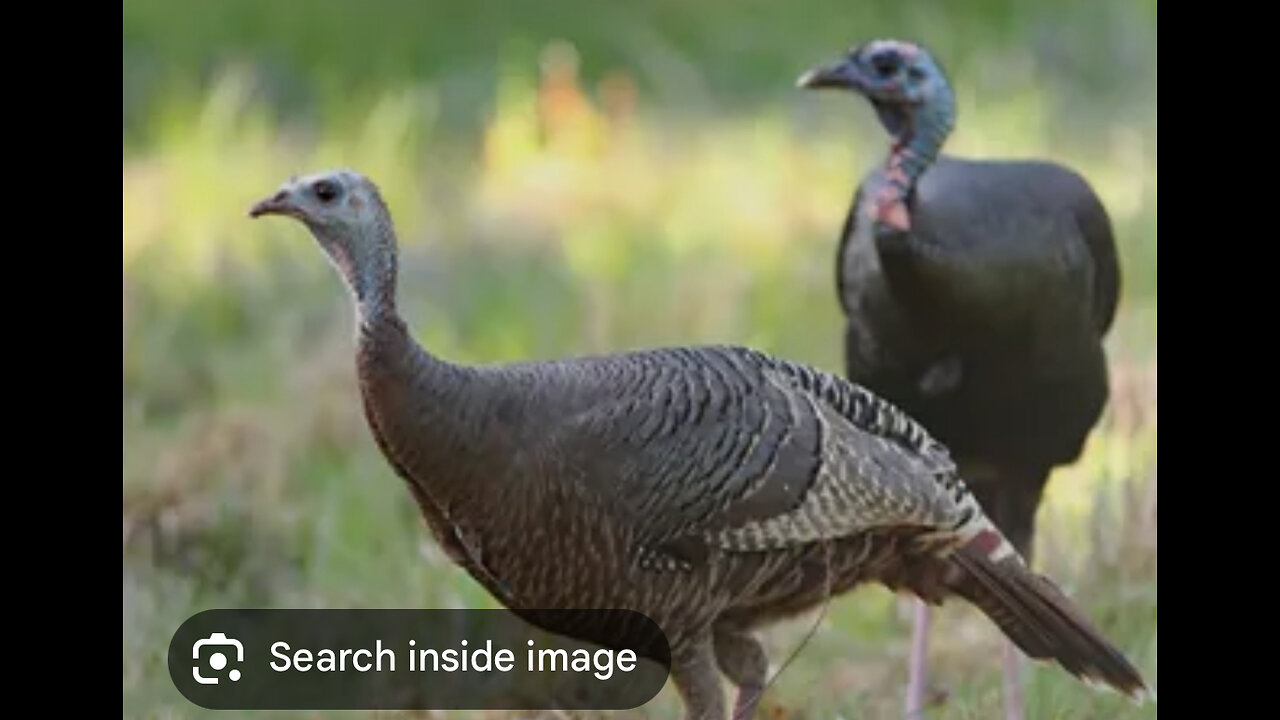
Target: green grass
x=701, y=207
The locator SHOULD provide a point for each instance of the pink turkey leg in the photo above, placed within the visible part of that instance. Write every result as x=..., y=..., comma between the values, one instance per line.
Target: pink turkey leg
x=919, y=645
x=1013, y=700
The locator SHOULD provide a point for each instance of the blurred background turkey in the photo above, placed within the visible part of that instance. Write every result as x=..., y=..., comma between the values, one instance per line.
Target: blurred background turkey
x=574, y=177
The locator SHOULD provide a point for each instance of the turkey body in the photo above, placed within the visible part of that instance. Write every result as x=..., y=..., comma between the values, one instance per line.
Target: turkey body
x=698, y=486
x=985, y=320
x=976, y=294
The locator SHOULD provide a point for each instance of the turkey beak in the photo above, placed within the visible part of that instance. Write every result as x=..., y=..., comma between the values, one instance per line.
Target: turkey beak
x=277, y=204
x=842, y=74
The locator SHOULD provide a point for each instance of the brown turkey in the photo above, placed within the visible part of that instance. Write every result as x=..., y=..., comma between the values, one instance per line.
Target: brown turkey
x=976, y=296
x=712, y=489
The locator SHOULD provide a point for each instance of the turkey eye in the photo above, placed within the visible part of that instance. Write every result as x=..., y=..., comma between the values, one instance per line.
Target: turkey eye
x=884, y=64
x=326, y=191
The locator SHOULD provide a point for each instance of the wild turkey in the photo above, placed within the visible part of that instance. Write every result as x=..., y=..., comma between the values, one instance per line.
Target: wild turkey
x=710, y=488
x=976, y=296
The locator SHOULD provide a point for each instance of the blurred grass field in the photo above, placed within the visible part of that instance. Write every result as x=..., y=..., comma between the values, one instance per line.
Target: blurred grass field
x=570, y=177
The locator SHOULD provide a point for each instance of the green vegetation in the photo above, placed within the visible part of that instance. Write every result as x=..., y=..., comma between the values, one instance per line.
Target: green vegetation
x=569, y=177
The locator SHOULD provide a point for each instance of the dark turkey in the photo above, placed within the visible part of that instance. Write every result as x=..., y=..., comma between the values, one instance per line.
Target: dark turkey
x=976, y=296
x=712, y=489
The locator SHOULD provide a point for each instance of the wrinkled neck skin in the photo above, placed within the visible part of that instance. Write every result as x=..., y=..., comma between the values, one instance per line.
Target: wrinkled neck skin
x=367, y=265
x=918, y=133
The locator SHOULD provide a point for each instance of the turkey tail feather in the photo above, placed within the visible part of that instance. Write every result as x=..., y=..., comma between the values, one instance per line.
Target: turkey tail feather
x=1042, y=621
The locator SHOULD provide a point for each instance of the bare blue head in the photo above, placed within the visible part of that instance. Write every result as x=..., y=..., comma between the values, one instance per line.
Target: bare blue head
x=913, y=99
x=902, y=81
x=346, y=214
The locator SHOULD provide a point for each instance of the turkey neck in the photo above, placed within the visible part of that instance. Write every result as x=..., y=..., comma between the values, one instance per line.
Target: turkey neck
x=423, y=411
x=419, y=407
x=918, y=133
